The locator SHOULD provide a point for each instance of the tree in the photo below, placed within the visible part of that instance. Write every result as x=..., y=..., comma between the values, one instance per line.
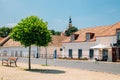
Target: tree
x=70, y=31
x=55, y=32
x=31, y=31
x=4, y=31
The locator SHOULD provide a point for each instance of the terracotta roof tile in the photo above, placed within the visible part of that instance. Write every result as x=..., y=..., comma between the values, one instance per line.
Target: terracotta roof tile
x=11, y=43
x=100, y=31
x=4, y=40
x=56, y=41
x=1, y=39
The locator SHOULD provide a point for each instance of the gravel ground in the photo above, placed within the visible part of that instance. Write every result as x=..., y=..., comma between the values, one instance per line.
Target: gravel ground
x=40, y=72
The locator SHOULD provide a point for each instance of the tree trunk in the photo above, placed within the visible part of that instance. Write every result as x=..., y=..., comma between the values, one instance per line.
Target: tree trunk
x=29, y=58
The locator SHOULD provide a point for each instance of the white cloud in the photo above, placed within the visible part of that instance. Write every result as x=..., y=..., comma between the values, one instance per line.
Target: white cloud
x=10, y=25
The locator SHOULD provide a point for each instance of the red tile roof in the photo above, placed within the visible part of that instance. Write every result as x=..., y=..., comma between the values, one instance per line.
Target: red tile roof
x=100, y=31
x=11, y=43
x=56, y=41
x=4, y=40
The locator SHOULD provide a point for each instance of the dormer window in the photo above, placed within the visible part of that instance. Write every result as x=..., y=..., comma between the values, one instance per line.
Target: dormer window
x=74, y=37
x=89, y=36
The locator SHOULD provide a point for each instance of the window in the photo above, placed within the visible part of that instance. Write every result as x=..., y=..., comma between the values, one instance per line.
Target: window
x=91, y=53
x=92, y=35
x=70, y=53
x=4, y=53
x=105, y=55
x=21, y=54
x=89, y=36
x=79, y=53
x=72, y=38
x=118, y=35
x=76, y=36
x=16, y=54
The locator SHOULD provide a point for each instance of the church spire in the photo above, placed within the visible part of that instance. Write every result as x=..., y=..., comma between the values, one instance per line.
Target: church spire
x=70, y=22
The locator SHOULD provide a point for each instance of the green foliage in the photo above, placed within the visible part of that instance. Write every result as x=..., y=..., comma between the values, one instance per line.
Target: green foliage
x=58, y=33
x=55, y=32
x=30, y=31
x=4, y=31
x=70, y=31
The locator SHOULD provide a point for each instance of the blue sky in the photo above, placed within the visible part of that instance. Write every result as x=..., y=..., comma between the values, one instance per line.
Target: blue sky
x=84, y=13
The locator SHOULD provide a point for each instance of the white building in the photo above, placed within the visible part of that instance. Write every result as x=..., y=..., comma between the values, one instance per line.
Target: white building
x=97, y=42
x=13, y=48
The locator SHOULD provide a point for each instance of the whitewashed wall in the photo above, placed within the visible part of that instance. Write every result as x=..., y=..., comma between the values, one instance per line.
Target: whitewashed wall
x=85, y=46
x=106, y=40
x=18, y=51
x=11, y=51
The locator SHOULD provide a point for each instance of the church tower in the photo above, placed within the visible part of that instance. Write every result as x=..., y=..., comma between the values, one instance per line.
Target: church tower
x=69, y=26
x=70, y=22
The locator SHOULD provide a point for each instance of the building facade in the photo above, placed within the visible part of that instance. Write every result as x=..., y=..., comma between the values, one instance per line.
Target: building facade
x=97, y=42
x=13, y=48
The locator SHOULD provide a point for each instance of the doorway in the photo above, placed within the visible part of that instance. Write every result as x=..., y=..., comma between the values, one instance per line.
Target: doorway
x=91, y=53
x=70, y=53
x=105, y=55
x=114, y=54
x=79, y=53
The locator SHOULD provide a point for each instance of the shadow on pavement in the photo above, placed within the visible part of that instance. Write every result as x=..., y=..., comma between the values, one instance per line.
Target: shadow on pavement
x=47, y=71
